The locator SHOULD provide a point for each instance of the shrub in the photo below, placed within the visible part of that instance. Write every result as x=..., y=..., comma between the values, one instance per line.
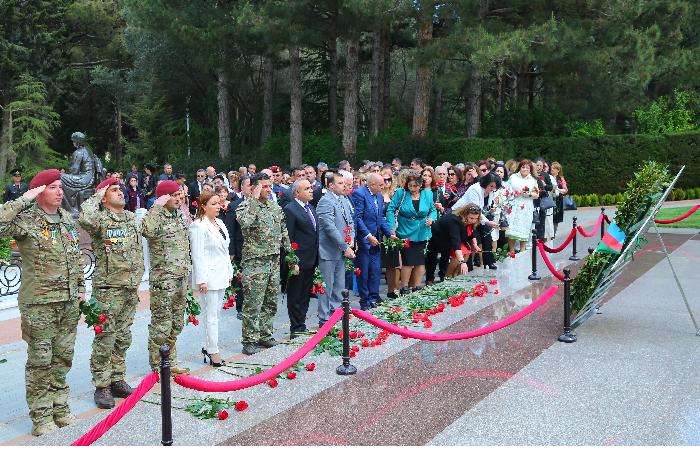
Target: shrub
x=593, y=200
x=607, y=200
x=680, y=194
x=690, y=194
x=618, y=198
x=582, y=201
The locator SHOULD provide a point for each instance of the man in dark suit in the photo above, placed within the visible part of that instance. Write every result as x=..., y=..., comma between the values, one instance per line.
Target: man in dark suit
x=287, y=196
x=302, y=226
x=235, y=247
x=17, y=188
x=370, y=222
x=195, y=189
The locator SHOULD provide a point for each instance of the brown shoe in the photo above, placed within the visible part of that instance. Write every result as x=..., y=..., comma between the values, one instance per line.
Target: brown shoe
x=121, y=389
x=103, y=398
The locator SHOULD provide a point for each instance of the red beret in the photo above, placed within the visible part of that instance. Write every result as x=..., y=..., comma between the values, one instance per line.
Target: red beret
x=167, y=187
x=45, y=177
x=275, y=169
x=107, y=183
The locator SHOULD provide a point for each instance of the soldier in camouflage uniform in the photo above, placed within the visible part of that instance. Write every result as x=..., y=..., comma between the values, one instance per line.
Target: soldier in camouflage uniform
x=264, y=231
x=116, y=240
x=169, y=249
x=52, y=283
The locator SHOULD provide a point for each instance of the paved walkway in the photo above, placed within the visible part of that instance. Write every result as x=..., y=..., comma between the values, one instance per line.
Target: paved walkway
x=441, y=387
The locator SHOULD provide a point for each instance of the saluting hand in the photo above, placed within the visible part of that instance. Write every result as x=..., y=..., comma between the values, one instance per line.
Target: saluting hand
x=162, y=200
x=256, y=191
x=33, y=193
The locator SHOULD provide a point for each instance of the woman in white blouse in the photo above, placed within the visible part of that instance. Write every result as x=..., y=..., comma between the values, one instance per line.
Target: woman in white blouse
x=211, y=269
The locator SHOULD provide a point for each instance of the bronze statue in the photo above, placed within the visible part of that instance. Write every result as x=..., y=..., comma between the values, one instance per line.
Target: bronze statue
x=84, y=173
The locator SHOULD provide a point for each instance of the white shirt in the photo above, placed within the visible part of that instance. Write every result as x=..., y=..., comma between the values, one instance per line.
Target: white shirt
x=474, y=195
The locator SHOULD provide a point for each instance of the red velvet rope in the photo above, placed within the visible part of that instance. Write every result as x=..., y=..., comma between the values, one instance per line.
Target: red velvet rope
x=607, y=219
x=679, y=218
x=549, y=265
x=105, y=425
x=366, y=316
x=595, y=229
x=544, y=247
x=234, y=385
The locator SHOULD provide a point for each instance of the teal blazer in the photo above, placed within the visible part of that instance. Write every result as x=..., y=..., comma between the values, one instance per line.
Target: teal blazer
x=411, y=224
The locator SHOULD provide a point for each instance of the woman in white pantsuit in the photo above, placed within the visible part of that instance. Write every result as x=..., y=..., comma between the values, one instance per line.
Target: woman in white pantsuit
x=211, y=269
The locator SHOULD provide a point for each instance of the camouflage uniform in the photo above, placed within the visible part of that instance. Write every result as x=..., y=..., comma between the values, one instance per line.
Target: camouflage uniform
x=52, y=281
x=169, y=251
x=264, y=231
x=116, y=241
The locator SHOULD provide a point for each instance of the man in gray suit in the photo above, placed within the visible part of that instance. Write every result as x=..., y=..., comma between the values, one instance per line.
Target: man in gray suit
x=336, y=237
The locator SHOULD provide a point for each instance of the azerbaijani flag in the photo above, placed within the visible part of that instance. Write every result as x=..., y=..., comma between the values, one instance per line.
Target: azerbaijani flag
x=612, y=241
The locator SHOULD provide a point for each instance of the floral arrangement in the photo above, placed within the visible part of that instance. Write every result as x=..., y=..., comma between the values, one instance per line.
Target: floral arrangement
x=392, y=244
x=95, y=315
x=319, y=286
x=230, y=293
x=255, y=368
x=292, y=259
x=193, y=308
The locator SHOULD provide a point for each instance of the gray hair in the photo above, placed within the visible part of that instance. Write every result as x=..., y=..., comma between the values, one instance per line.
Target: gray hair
x=375, y=177
x=297, y=184
x=321, y=164
x=441, y=168
x=346, y=174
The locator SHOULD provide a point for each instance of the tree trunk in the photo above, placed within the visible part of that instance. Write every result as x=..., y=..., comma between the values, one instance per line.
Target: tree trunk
x=474, y=104
x=437, y=108
x=350, y=108
x=268, y=80
x=333, y=75
x=499, y=90
x=5, y=142
x=531, y=87
x=523, y=84
x=376, y=84
x=295, y=140
x=224, y=124
x=386, y=79
x=513, y=89
x=118, y=133
x=421, y=103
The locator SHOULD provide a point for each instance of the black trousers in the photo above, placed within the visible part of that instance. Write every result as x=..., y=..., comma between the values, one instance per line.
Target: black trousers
x=539, y=224
x=431, y=261
x=298, y=296
x=239, y=292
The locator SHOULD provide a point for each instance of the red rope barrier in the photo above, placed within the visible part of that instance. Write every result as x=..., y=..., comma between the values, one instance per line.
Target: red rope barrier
x=679, y=218
x=547, y=262
x=234, y=385
x=607, y=219
x=570, y=238
x=105, y=425
x=366, y=316
x=595, y=229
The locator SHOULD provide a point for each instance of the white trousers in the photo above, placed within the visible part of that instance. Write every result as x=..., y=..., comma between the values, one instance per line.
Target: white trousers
x=212, y=302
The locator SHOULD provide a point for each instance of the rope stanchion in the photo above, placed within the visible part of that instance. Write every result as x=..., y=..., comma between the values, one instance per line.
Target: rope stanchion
x=533, y=276
x=574, y=257
x=548, y=263
x=505, y=322
x=602, y=223
x=679, y=218
x=346, y=368
x=567, y=336
x=235, y=385
x=101, y=428
x=563, y=246
x=595, y=229
x=166, y=399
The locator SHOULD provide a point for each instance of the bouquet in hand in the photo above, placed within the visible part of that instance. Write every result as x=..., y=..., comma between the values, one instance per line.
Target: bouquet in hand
x=319, y=286
x=292, y=259
x=392, y=244
x=193, y=308
x=95, y=315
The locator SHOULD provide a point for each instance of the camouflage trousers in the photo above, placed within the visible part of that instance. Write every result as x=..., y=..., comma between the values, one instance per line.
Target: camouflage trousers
x=168, y=304
x=109, y=348
x=49, y=331
x=261, y=285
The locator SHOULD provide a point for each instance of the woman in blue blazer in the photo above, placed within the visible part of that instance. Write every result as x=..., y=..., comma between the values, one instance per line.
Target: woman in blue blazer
x=412, y=212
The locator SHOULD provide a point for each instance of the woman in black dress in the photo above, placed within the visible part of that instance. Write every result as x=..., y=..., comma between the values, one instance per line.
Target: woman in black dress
x=456, y=236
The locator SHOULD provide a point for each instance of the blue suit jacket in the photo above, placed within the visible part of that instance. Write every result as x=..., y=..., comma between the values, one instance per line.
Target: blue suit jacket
x=369, y=218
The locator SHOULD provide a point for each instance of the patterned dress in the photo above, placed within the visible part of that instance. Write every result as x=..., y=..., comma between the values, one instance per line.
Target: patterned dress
x=520, y=220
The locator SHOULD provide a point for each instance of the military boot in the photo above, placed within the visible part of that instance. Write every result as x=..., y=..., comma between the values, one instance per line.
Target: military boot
x=43, y=428
x=250, y=349
x=64, y=420
x=268, y=343
x=104, y=398
x=121, y=389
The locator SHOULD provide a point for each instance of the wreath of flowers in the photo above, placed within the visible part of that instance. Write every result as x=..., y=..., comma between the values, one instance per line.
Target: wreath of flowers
x=392, y=244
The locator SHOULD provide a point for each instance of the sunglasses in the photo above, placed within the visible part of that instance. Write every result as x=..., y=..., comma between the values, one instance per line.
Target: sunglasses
x=474, y=209
x=453, y=173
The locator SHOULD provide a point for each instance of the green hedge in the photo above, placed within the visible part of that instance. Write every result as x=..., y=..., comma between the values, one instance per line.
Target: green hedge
x=592, y=199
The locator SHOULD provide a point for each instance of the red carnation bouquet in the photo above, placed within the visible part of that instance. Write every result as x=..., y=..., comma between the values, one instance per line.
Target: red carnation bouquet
x=292, y=259
x=319, y=286
x=95, y=315
x=193, y=308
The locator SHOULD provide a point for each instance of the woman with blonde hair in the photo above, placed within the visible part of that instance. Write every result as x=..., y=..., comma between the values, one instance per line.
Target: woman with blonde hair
x=211, y=269
x=456, y=236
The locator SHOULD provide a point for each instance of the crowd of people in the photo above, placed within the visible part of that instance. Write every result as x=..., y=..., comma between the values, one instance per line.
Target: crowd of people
x=253, y=233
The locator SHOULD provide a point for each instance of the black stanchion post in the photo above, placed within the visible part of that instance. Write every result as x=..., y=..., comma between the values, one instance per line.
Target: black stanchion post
x=573, y=255
x=533, y=276
x=165, y=397
x=567, y=336
x=346, y=368
x=602, y=224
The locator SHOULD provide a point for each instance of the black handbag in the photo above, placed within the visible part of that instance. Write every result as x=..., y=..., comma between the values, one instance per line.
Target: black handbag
x=569, y=203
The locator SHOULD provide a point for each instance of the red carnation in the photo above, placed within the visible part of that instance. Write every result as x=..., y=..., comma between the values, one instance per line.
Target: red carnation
x=311, y=366
x=241, y=406
x=195, y=322
x=239, y=277
x=272, y=383
x=222, y=414
x=407, y=243
x=340, y=334
x=103, y=318
x=428, y=324
x=496, y=292
x=348, y=239
x=98, y=329
x=512, y=255
x=291, y=375
x=355, y=348
x=347, y=230
x=357, y=272
x=194, y=203
x=321, y=291
x=353, y=334
x=13, y=244
x=365, y=343
x=279, y=193
x=493, y=281
x=295, y=246
x=353, y=353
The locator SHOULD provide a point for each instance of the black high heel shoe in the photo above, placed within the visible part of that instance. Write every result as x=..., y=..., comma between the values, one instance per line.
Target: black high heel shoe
x=213, y=364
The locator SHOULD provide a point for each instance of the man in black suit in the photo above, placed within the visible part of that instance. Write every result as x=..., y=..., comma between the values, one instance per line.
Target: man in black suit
x=195, y=189
x=16, y=188
x=302, y=225
x=235, y=247
x=287, y=196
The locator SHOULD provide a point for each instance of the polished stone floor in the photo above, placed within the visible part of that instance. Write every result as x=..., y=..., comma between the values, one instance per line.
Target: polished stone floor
x=630, y=379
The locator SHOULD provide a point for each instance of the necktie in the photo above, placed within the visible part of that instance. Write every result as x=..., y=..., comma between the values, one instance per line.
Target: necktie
x=311, y=215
